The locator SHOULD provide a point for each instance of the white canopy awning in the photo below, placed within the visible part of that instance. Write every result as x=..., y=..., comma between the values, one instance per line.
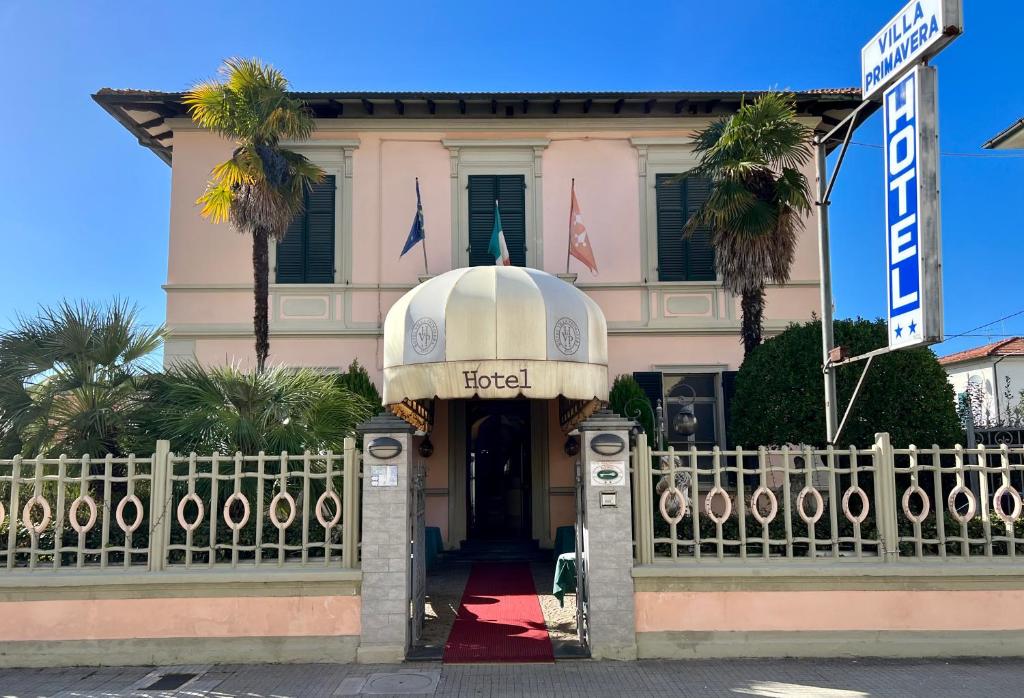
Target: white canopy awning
x=495, y=332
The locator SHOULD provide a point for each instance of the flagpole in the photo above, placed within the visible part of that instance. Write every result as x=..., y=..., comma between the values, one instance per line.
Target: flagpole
x=568, y=241
x=423, y=228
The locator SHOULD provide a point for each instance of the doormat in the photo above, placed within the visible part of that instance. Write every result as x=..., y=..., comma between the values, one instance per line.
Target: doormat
x=499, y=619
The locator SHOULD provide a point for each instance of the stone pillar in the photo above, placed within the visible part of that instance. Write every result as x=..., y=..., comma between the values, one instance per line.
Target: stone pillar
x=386, y=544
x=607, y=537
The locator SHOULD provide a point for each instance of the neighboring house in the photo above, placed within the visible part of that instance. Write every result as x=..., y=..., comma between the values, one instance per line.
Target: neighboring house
x=338, y=271
x=1010, y=138
x=995, y=370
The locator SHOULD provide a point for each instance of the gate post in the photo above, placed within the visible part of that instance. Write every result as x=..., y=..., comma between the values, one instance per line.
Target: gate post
x=384, y=634
x=607, y=536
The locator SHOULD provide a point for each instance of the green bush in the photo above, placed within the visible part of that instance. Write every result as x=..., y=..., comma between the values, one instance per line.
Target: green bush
x=627, y=399
x=357, y=380
x=780, y=399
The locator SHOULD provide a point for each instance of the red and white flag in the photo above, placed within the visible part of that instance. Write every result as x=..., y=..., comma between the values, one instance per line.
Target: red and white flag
x=579, y=241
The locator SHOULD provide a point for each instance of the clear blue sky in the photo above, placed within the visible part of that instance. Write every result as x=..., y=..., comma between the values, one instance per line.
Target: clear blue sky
x=85, y=208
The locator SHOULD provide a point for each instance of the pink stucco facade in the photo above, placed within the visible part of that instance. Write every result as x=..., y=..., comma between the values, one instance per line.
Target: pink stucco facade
x=680, y=327
x=683, y=324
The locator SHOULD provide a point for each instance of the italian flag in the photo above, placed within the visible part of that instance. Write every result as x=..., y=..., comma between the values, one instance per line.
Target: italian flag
x=497, y=247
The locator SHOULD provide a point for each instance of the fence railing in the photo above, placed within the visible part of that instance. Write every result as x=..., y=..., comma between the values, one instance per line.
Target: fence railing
x=879, y=503
x=170, y=511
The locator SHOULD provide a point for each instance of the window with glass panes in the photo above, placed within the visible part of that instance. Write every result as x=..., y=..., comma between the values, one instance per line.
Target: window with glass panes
x=699, y=392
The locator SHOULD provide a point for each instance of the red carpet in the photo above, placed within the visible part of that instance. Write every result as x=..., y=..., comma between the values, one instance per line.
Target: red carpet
x=499, y=619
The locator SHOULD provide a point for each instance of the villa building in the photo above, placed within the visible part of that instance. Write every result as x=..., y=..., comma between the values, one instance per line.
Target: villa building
x=659, y=307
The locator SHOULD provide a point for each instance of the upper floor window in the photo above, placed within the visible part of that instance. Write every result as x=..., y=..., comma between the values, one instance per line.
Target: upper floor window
x=510, y=193
x=306, y=254
x=682, y=258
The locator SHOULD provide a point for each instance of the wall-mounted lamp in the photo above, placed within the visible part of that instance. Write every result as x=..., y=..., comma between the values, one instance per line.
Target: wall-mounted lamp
x=384, y=447
x=572, y=446
x=607, y=444
x=426, y=447
x=685, y=422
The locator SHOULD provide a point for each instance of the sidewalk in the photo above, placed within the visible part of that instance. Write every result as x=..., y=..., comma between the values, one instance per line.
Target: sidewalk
x=824, y=678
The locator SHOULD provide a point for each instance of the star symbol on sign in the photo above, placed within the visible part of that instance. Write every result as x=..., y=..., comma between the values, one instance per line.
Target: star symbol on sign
x=899, y=331
x=578, y=219
x=913, y=327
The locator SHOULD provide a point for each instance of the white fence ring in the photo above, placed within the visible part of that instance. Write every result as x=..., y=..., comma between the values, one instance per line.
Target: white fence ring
x=663, y=505
x=717, y=490
x=773, y=506
x=997, y=504
x=865, y=505
x=329, y=494
x=73, y=514
x=26, y=514
x=972, y=504
x=275, y=502
x=926, y=504
x=119, y=513
x=819, y=505
x=200, y=513
x=232, y=524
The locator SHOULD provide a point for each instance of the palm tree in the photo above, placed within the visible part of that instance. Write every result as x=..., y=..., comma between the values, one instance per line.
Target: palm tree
x=227, y=409
x=759, y=197
x=69, y=379
x=262, y=187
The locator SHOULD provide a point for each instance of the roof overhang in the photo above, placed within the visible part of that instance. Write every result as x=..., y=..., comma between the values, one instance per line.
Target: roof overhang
x=1010, y=138
x=145, y=113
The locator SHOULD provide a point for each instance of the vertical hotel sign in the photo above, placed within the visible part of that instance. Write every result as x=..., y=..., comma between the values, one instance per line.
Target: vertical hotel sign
x=913, y=231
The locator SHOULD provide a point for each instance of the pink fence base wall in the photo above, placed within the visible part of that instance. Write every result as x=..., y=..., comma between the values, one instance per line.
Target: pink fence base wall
x=179, y=630
x=830, y=623
x=112, y=619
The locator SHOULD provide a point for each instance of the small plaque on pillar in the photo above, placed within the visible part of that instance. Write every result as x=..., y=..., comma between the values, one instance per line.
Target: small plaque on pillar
x=608, y=473
x=383, y=476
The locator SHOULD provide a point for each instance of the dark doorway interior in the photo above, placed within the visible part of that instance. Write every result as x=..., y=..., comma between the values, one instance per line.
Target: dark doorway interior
x=498, y=469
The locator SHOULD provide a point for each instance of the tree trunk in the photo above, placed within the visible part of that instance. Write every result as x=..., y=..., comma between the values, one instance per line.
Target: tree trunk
x=752, y=328
x=261, y=291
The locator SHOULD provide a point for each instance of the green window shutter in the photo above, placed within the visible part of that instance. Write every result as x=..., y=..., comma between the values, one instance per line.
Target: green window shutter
x=291, y=253
x=679, y=258
x=320, y=232
x=510, y=192
x=651, y=383
x=306, y=254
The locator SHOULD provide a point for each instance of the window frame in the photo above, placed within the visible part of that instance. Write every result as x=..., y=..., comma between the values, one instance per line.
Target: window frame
x=335, y=157
x=655, y=156
x=715, y=370
x=497, y=157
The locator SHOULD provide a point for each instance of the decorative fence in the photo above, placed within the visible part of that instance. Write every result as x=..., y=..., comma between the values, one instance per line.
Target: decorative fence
x=875, y=504
x=168, y=511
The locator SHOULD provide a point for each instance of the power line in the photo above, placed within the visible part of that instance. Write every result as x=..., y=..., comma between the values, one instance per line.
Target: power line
x=967, y=333
x=1000, y=335
x=991, y=156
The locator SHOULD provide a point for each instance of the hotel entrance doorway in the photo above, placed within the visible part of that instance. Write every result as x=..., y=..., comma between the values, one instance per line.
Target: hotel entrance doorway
x=498, y=449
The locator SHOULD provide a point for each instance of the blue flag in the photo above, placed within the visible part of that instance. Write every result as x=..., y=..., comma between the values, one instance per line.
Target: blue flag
x=416, y=233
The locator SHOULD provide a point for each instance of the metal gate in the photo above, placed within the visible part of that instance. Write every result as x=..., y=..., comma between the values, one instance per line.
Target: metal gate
x=418, y=573
x=582, y=597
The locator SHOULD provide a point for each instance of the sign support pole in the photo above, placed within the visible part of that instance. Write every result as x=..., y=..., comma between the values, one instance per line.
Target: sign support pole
x=825, y=269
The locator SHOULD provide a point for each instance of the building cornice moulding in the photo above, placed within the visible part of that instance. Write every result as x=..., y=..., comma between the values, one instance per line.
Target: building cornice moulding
x=496, y=142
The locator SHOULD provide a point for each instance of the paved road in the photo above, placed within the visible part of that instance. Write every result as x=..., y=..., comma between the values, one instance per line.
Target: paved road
x=770, y=678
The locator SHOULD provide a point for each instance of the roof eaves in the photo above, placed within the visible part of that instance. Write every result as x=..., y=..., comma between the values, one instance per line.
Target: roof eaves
x=1004, y=135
